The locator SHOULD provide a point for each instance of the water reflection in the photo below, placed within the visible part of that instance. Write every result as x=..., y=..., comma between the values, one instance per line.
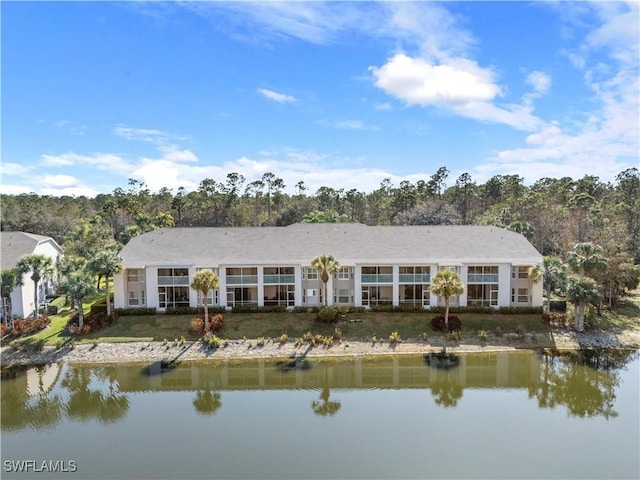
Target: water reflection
x=39, y=398
x=207, y=402
x=585, y=381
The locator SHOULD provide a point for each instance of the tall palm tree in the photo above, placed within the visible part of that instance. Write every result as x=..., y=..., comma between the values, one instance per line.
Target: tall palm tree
x=552, y=273
x=205, y=281
x=446, y=284
x=327, y=265
x=78, y=285
x=106, y=263
x=588, y=259
x=40, y=267
x=582, y=290
x=11, y=278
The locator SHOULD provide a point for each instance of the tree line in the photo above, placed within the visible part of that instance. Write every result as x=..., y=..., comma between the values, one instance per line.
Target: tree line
x=553, y=213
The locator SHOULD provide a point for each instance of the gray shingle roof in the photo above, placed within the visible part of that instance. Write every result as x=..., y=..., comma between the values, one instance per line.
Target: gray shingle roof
x=15, y=245
x=350, y=243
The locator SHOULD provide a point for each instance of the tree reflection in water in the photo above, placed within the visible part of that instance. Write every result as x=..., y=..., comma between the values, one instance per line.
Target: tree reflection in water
x=446, y=389
x=207, y=402
x=585, y=381
x=325, y=407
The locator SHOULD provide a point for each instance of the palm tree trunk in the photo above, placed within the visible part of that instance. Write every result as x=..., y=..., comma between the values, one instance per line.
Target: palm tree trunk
x=35, y=299
x=108, y=299
x=446, y=314
x=80, y=315
x=579, y=325
x=206, y=315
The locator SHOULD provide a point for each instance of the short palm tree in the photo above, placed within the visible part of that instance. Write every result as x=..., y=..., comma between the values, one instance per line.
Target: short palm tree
x=205, y=281
x=446, y=284
x=582, y=290
x=40, y=267
x=11, y=278
x=78, y=285
x=326, y=265
x=106, y=264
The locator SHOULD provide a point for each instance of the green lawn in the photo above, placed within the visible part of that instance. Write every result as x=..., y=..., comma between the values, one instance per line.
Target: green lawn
x=354, y=326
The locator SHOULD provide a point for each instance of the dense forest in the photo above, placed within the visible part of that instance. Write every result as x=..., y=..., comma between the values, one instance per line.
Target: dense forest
x=553, y=213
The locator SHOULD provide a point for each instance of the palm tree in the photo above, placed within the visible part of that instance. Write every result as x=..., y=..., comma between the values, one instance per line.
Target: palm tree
x=446, y=284
x=582, y=290
x=327, y=265
x=106, y=264
x=552, y=273
x=205, y=281
x=78, y=285
x=40, y=267
x=11, y=278
x=587, y=259
x=207, y=402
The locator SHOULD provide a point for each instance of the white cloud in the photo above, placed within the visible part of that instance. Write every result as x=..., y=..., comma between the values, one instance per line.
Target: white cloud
x=418, y=82
x=109, y=162
x=460, y=86
x=146, y=134
x=383, y=107
x=60, y=181
x=277, y=97
x=540, y=81
x=16, y=169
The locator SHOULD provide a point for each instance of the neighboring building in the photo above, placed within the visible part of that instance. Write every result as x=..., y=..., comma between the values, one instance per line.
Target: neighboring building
x=14, y=246
x=379, y=265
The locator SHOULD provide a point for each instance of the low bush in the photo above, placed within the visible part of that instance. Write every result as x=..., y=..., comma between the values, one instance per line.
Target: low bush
x=28, y=327
x=455, y=324
x=216, y=323
x=394, y=338
x=398, y=308
x=300, y=309
x=519, y=310
x=193, y=310
x=555, y=318
x=327, y=315
x=91, y=323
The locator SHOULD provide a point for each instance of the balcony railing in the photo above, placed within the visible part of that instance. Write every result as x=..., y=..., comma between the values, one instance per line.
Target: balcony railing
x=480, y=278
x=381, y=278
x=415, y=278
x=279, y=279
x=241, y=279
x=163, y=281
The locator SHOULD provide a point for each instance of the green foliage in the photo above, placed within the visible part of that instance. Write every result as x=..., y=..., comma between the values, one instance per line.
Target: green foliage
x=482, y=335
x=438, y=323
x=327, y=314
x=128, y=312
x=394, y=338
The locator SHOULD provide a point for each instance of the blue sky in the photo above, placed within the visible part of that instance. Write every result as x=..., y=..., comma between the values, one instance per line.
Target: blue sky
x=339, y=94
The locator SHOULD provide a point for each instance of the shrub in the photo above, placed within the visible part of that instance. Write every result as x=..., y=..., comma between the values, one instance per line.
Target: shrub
x=555, y=318
x=4, y=329
x=519, y=310
x=128, y=312
x=52, y=309
x=482, y=335
x=216, y=322
x=284, y=338
x=300, y=309
x=337, y=334
x=394, y=338
x=327, y=315
x=520, y=330
x=197, y=326
x=98, y=308
x=455, y=324
x=498, y=331
x=260, y=342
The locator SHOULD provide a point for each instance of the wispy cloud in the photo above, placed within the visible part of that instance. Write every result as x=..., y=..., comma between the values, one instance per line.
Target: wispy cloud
x=276, y=96
x=146, y=134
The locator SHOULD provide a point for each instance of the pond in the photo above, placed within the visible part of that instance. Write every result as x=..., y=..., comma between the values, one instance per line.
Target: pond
x=494, y=415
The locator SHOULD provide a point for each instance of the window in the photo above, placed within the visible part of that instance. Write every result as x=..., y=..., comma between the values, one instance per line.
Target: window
x=523, y=295
x=482, y=295
x=377, y=274
x=173, y=297
x=136, y=298
x=482, y=274
x=520, y=272
x=309, y=273
x=414, y=295
x=343, y=295
x=345, y=273
x=134, y=276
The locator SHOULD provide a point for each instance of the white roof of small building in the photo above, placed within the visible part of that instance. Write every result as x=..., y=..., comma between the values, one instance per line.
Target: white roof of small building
x=15, y=245
x=349, y=243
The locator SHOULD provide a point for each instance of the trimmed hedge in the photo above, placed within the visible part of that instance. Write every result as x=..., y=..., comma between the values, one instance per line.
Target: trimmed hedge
x=123, y=312
x=193, y=310
x=257, y=309
x=399, y=308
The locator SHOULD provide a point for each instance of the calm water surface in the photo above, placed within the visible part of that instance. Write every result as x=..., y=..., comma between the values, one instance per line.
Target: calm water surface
x=498, y=415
